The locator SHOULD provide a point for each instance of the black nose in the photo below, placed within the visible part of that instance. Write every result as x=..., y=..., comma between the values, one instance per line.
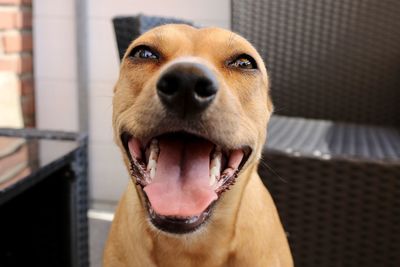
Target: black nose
x=187, y=88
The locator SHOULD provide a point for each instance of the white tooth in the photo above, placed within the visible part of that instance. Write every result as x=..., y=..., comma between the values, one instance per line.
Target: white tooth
x=215, y=166
x=152, y=173
x=212, y=179
x=154, y=145
x=216, y=162
x=152, y=164
x=215, y=171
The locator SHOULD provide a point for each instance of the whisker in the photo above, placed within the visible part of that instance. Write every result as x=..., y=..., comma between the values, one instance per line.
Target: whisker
x=265, y=164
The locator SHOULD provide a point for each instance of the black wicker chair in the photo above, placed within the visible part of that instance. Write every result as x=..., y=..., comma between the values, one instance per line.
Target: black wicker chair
x=128, y=28
x=332, y=161
x=336, y=182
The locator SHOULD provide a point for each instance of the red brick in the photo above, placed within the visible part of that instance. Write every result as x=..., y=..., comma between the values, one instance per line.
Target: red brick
x=27, y=86
x=16, y=63
x=26, y=64
x=27, y=17
x=16, y=2
x=10, y=2
x=15, y=19
x=17, y=42
x=7, y=20
x=24, y=20
x=9, y=64
x=28, y=105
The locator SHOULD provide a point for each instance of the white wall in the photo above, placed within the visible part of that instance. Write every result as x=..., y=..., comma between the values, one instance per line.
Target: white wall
x=55, y=63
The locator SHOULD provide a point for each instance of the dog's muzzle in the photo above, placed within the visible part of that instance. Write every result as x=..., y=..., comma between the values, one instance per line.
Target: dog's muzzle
x=182, y=171
x=187, y=88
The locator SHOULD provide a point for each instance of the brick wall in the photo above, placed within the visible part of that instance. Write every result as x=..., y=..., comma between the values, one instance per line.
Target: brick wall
x=16, y=65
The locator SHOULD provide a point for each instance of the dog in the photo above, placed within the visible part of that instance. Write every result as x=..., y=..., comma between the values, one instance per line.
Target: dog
x=190, y=111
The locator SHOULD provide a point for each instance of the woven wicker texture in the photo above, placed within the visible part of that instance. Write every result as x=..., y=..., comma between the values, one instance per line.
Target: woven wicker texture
x=326, y=139
x=338, y=208
x=78, y=185
x=129, y=28
x=330, y=59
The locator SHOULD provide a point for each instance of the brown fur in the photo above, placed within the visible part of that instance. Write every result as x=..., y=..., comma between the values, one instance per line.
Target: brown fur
x=244, y=229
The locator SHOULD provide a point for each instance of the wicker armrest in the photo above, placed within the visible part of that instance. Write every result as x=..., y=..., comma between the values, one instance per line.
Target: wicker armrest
x=325, y=139
x=337, y=190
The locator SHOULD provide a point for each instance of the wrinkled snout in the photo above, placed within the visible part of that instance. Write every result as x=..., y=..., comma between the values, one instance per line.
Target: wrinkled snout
x=187, y=88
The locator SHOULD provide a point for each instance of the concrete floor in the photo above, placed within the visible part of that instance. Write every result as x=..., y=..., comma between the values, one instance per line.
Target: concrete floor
x=98, y=232
x=100, y=218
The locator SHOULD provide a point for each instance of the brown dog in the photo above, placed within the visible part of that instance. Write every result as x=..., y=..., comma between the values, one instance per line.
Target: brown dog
x=191, y=108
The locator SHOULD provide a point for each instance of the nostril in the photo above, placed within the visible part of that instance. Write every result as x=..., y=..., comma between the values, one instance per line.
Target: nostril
x=205, y=87
x=169, y=84
x=186, y=88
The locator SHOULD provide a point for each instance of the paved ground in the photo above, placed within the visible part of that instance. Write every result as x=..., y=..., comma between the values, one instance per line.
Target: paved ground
x=98, y=231
x=100, y=217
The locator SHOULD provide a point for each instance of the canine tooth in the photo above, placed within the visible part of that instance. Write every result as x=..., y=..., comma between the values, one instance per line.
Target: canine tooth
x=217, y=151
x=212, y=179
x=152, y=164
x=216, y=162
x=215, y=170
x=154, y=145
x=153, y=172
x=215, y=165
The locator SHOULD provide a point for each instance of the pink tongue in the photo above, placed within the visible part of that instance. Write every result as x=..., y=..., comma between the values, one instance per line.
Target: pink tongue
x=181, y=184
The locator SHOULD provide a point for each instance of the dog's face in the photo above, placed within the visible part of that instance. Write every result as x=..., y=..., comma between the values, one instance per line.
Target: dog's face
x=190, y=111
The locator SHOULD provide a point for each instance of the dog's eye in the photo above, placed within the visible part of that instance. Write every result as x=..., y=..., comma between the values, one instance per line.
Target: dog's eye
x=244, y=62
x=143, y=52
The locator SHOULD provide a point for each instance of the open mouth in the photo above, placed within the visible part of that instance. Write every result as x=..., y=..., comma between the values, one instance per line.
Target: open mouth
x=182, y=176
